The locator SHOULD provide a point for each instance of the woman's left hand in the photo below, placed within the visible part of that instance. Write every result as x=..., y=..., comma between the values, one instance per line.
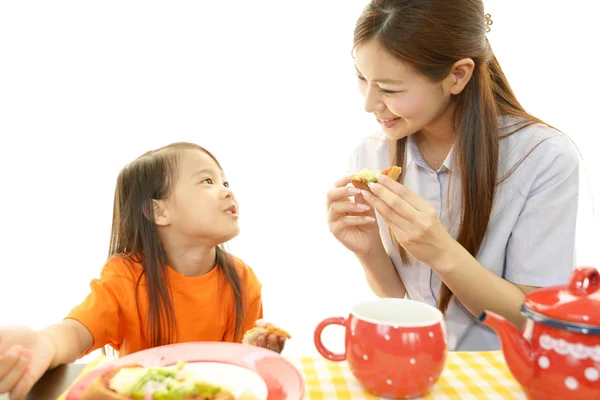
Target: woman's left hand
x=413, y=220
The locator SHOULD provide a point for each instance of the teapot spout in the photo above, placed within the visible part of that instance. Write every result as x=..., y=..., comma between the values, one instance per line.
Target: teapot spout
x=518, y=353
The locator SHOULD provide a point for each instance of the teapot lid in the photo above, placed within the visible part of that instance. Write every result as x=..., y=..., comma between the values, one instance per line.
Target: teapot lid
x=576, y=303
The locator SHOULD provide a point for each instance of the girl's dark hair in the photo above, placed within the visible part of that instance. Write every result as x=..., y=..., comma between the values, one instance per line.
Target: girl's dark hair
x=135, y=237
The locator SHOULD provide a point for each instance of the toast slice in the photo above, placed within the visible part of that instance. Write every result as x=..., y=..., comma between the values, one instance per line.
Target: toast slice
x=364, y=177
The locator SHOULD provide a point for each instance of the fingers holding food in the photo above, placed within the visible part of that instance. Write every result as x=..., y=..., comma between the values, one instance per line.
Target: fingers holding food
x=362, y=179
x=266, y=335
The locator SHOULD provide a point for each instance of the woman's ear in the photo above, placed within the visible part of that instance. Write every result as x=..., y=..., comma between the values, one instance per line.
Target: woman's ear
x=161, y=212
x=460, y=75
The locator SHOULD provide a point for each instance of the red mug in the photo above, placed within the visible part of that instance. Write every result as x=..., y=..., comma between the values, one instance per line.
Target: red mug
x=396, y=348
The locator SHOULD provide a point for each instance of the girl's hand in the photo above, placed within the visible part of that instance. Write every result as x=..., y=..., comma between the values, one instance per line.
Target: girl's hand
x=352, y=222
x=271, y=341
x=266, y=335
x=413, y=220
x=25, y=355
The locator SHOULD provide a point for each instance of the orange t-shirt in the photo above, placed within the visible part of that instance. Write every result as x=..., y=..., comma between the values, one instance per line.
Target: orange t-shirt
x=203, y=306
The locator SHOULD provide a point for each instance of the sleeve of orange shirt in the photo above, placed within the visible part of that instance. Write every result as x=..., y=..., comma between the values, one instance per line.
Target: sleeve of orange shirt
x=254, y=311
x=100, y=311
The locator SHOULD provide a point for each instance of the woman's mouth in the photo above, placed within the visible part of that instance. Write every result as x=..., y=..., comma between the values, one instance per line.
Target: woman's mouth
x=388, y=122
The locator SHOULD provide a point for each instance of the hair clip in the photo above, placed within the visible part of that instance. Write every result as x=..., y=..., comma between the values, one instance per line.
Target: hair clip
x=488, y=22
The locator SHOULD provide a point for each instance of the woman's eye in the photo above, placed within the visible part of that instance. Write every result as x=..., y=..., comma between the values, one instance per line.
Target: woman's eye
x=226, y=184
x=387, y=91
x=207, y=180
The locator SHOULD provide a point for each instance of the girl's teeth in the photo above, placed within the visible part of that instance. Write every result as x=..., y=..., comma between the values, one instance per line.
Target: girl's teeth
x=228, y=212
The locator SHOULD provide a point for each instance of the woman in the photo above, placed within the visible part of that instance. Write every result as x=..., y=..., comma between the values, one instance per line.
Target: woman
x=485, y=208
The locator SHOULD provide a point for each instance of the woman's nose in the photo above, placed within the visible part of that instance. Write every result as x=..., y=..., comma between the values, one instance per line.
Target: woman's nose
x=372, y=101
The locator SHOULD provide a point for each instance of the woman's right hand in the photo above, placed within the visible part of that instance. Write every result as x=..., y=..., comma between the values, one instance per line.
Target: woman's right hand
x=25, y=355
x=352, y=222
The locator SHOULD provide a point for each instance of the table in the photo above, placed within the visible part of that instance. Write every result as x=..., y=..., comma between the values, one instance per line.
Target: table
x=55, y=382
x=468, y=375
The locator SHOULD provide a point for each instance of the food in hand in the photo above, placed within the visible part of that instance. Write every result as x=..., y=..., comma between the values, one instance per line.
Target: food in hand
x=263, y=328
x=136, y=382
x=364, y=177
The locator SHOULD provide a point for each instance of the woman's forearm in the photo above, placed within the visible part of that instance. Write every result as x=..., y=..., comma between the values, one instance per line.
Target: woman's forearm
x=477, y=288
x=381, y=274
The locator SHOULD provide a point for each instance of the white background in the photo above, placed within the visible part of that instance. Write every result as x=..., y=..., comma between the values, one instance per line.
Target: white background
x=269, y=87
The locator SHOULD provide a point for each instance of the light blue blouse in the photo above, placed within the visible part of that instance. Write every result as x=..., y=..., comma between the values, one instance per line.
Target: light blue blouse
x=531, y=235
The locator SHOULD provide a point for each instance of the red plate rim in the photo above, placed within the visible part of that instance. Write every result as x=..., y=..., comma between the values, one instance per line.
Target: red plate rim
x=283, y=380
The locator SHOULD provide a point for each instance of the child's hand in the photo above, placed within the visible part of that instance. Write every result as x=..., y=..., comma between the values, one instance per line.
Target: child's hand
x=270, y=341
x=267, y=336
x=25, y=355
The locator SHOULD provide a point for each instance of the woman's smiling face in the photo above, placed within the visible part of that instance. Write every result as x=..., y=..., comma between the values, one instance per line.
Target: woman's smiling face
x=402, y=100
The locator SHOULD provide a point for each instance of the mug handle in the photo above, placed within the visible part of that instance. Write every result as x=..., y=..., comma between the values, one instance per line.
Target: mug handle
x=319, y=344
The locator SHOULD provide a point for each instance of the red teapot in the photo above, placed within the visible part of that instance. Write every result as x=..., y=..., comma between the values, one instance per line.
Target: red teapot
x=557, y=356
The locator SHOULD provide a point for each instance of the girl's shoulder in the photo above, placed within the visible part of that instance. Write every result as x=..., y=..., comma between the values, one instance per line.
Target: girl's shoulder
x=121, y=267
x=251, y=282
x=244, y=270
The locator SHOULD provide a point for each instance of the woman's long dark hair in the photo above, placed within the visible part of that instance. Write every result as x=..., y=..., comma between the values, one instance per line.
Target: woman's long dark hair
x=432, y=35
x=135, y=237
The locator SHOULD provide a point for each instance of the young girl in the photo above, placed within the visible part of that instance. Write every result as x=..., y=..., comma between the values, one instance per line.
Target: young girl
x=167, y=279
x=486, y=206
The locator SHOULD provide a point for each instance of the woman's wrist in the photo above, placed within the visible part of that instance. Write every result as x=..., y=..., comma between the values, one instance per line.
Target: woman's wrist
x=375, y=253
x=449, y=257
x=381, y=273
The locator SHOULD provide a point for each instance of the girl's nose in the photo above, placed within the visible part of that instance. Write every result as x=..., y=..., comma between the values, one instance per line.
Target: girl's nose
x=227, y=193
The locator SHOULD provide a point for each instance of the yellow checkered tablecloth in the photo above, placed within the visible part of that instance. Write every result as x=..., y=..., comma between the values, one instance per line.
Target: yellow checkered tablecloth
x=468, y=375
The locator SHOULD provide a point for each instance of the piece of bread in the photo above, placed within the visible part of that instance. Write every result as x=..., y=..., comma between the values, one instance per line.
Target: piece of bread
x=97, y=390
x=364, y=177
x=263, y=328
x=100, y=389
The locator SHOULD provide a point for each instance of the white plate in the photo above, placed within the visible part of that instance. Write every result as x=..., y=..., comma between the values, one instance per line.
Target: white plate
x=242, y=382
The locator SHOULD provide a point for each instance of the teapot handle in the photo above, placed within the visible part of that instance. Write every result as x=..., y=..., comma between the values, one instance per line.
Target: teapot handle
x=584, y=281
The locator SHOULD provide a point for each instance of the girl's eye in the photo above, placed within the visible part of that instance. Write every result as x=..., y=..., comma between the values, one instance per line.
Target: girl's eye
x=207, y=180
x=226, y=184
x=360, y=78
